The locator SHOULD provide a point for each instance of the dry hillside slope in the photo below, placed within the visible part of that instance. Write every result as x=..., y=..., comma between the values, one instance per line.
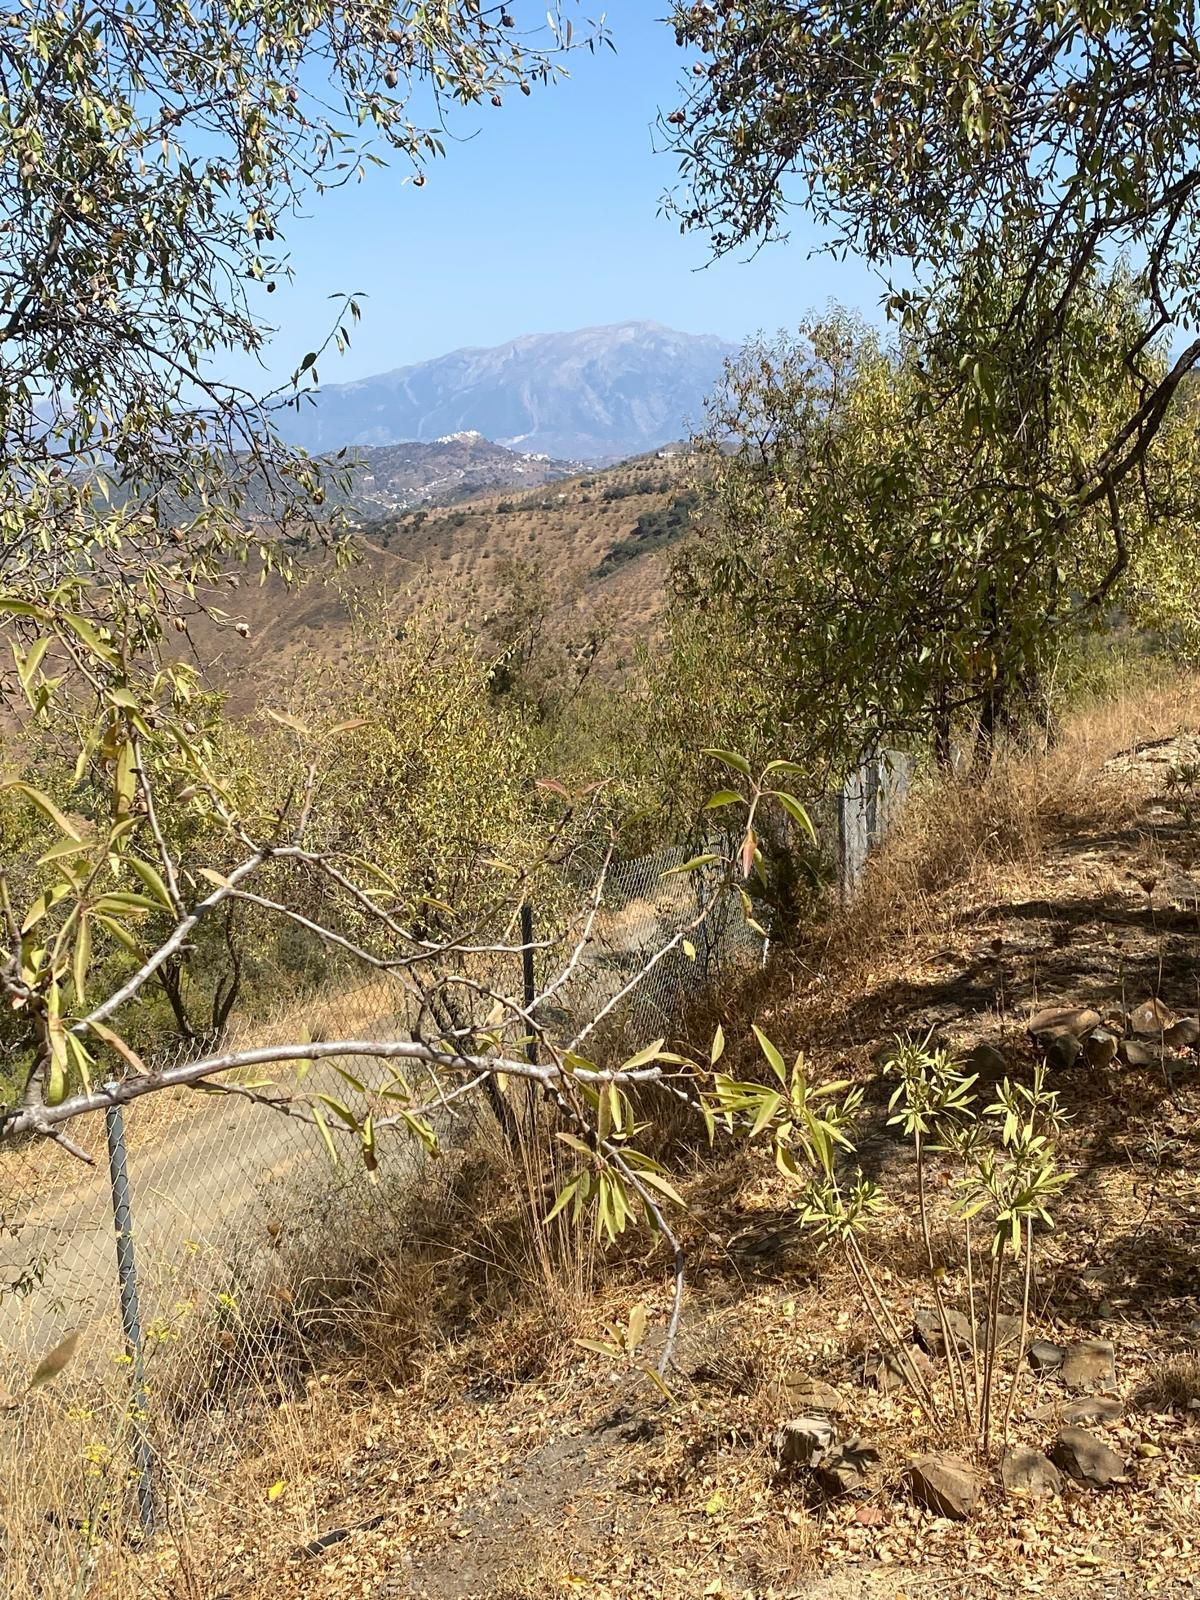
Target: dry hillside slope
x=461, y=1444
x=580, y=533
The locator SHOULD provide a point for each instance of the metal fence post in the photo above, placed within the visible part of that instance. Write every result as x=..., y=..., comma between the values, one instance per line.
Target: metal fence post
x=528, y=983
x=114, y=1123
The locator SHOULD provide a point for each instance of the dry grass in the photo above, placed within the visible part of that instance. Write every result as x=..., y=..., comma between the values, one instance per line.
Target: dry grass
x=964, y=839
x=438, y=1275
x=567, y=527
x=419, y=1361
x=1174, y=1385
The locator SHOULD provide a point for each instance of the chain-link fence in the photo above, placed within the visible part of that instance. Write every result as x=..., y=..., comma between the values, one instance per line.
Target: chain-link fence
x=161, y=1254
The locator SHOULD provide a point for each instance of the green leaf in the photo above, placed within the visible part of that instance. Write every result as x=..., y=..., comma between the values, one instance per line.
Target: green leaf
x=599, y=1347
x=123, y=900
x=731, y=759
x=565, y=1195
x=45, y=805
x=690, y=866
x=88, y=634
x=774, y=1058
x=120, y=933
x=797, y=813
x=81, y=958
x=718, y=1046
x=768, y=1106
x=153, y=880
x=656, y=1181
x=28, y=663
x=651, y=1052
x=323, y=1127
x=83, y=1061
x=339, y=1110
x=636, y=1330
x=724, y=797
x=45, y=903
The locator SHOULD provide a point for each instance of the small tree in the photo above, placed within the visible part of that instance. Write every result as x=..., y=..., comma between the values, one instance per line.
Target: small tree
x=1009, y=1176
x=893, y=551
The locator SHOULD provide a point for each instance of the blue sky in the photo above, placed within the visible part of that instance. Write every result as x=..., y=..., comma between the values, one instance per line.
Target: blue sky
x=546, y=219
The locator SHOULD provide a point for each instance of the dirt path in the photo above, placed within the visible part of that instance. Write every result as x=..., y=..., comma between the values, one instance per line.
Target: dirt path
x=203, y=1173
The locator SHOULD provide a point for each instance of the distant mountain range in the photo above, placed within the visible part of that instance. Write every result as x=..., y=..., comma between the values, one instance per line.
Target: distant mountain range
x=594, y=395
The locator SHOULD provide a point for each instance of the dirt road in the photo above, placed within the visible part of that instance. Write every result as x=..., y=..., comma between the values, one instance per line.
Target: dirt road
x=194, y=1183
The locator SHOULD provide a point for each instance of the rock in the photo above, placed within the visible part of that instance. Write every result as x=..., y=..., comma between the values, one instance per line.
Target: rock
x=849, y=1468
x=1029, y=1473
x=1061, y=1048
x=1087, y=1459
x=987, y=1062
x=1093, y=1408
x=1091, y=1364
x=1044, y=1356
x=803, y=1441
x=810, y=1394
x=1008, y=1330
x=927, y=1326
x=1077, y=1020
x=1100, y=1047
x=1135, y=1054
x=1150, y=1019
x=946, y=1484
x=885, y=1372
x=1182, y=1035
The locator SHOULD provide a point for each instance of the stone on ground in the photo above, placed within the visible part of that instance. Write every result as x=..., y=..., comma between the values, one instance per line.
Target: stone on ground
x=1087, y=1459
x=1090, y=1364
x=811, y=1394
x=1008, y=1329
x=1075, y=1019
x=986, y=1061
x=1029, y=1473
x=1093, y=1408
x=849, y=1468
x=1182, y=1035
x=802, y=1441
x=1151, y=1018
x=927, y=1326
x=1100, y=1047
x=886, y=1373
x=1136, y=1054
x=1061, y=1048
x=945, y=1484
x=1044, y=1356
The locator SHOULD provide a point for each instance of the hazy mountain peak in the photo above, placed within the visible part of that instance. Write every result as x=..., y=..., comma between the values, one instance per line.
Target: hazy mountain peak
x=586, y=394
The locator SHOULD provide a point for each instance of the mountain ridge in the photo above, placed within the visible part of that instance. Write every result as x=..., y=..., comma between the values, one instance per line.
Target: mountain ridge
x=591, y=394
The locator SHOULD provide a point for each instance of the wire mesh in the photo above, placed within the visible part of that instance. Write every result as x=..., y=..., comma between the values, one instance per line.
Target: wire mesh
x=220, y=1184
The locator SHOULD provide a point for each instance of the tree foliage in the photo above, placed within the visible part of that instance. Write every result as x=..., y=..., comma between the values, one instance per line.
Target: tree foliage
x=1043, y=137
x=152, y=159
x=901, y=548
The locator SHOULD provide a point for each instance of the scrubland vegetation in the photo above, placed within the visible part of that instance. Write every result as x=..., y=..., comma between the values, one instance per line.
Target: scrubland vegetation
x=886, y=1249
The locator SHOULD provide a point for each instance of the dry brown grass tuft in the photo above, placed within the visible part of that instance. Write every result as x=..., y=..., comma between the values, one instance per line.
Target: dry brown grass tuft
x=1174, y=1385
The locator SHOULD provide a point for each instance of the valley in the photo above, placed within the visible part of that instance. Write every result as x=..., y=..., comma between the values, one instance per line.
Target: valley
x=599, y=540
